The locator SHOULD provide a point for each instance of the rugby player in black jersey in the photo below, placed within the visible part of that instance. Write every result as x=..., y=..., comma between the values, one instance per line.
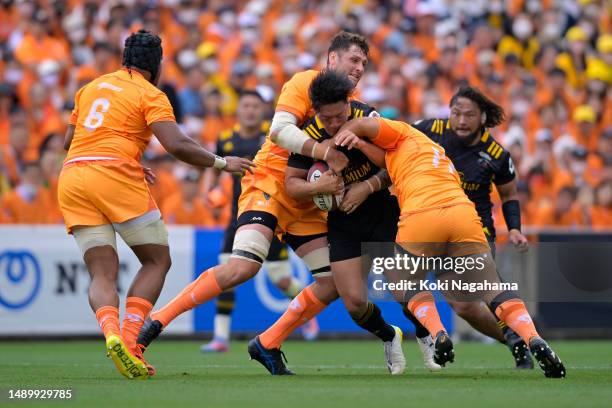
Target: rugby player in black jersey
x=368, y=213
x=481, y=162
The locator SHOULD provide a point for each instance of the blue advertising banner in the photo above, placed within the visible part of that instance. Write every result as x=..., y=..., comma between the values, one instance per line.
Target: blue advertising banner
x=259, y=303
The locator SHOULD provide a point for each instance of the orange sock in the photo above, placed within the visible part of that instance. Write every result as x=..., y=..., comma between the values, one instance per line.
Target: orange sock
x=516, y=316
x=108, y=319
x=197, y=292
x=423, y=307
x=302, y=308
x=136, y=310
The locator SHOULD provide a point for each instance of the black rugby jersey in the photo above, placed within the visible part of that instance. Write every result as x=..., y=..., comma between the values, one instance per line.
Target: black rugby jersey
x=479, y=166
x=230, y=143
x=360, y=168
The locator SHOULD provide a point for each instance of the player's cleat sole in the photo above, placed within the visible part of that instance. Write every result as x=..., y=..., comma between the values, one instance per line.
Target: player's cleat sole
x=520, y=351
x=427, y=347
x=127, y=364
x=444, y=351
x=547, y=359
x=215, y=346
x=396, y=362
x=271, y=359
x=149, y=332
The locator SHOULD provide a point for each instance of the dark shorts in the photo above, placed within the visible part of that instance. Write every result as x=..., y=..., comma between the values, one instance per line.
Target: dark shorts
x=374, y=221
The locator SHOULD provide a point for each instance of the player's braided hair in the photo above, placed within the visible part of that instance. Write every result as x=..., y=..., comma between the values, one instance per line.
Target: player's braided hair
x=495, y=114
x=329, y=87
x=143, y=50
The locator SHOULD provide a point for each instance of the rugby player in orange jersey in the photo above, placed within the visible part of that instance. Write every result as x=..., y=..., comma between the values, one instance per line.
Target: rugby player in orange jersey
x=436, y=211
x=102, y=189
x=265, y=209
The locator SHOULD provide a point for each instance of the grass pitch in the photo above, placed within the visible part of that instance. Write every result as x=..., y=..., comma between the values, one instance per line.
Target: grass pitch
x=330, y=374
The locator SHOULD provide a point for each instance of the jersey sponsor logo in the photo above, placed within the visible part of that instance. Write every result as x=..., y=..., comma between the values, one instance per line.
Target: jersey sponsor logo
x=355, y=174
x=485, y=156
x=470, y=186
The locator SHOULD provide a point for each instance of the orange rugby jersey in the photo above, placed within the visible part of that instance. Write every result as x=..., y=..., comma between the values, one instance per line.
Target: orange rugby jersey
x=112, y=115
x=424, y=178
x=271, y=158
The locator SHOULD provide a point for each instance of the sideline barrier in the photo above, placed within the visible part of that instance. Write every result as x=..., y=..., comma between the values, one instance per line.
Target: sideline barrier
x=44, y=282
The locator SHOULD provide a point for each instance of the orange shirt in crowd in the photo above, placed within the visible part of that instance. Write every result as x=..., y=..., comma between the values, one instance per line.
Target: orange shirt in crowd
x=601, y=217
x=545, y=216
x=30, y=51
x=176, y=211
x=9, y=161
x=50, y=122
x=5, y=129
x=19, y=211
x=165, y=186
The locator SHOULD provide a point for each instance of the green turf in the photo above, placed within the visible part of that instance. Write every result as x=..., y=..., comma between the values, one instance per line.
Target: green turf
x=336, y=374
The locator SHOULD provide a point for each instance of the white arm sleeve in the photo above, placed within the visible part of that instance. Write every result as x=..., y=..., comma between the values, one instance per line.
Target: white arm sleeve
x=285, y=133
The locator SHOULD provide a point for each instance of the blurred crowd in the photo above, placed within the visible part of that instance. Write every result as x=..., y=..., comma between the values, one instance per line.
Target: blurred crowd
x=547, y=62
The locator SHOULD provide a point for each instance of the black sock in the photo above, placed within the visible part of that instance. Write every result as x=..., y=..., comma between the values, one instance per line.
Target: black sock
x=503, y=326
x=419, y=330
x=373, y=322
x=226, y=301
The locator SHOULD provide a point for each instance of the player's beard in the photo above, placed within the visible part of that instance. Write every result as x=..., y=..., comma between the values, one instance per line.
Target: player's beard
x=467, y=141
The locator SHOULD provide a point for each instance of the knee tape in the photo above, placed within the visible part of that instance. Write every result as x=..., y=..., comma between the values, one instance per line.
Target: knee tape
x=318, y=261
x=251, y=245
x=146, y=229
x=279, y=270
x=99, y=235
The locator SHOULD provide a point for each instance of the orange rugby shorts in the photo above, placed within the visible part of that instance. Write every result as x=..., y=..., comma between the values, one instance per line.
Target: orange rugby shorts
x=455, y=230
x=265, y=192
x=103, y=192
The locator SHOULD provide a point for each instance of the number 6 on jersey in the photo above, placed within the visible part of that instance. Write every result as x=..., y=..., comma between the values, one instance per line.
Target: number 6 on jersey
x=96, y=114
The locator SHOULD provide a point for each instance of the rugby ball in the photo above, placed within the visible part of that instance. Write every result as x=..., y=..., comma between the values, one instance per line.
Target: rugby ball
x=325, y=202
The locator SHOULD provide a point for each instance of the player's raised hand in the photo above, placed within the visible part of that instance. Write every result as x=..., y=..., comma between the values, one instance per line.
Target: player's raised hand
x=518, y=240
x=337, y=161
x=348, y=139
x=238, y=165
x=149, y=174
x=330, y=183
x=355, y=195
